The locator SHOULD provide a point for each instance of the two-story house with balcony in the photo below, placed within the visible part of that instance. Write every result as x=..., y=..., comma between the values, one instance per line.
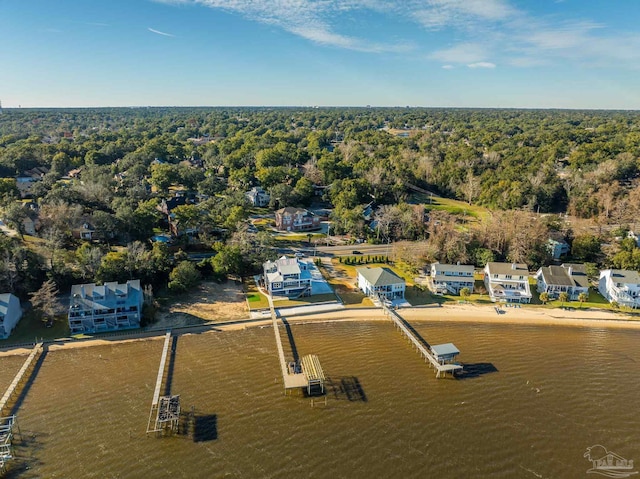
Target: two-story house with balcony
x=296, y=219
x=380, y=283
x=10, y=314
x=568, y=278
x=621, y=286
x=451, y=278
x=507, y=282
x=258, y=197
x=108, y=307
x=287, y=277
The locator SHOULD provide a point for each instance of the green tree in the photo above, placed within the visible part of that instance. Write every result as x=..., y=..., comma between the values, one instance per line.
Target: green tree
x=465, y=293
x=183, y=277
x=583, y=298
x=544, y=297
x=563, y=297
x=586, y=248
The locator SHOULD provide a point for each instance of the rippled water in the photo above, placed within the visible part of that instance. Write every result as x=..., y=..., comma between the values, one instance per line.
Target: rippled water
x=534, y=399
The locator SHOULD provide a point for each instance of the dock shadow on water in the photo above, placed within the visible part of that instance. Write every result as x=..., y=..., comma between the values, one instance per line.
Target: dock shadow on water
x=27, y=446
x=171, y=366
x=28, y=382
x=199, y=426
x=474, y=370
x=292, y=342
x=347, y=388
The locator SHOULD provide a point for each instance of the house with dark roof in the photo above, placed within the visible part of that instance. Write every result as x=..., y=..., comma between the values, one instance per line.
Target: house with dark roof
x=507, y=282
x=621, y=286
x=568, y=278
x=107, y=307
x=450, y=278
x=287, y=277
x=258, y=197
x=381, y=283
x=10, y=314
x=296, y=219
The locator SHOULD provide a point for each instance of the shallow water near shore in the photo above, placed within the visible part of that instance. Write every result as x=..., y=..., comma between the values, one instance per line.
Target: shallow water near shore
x=532, y=400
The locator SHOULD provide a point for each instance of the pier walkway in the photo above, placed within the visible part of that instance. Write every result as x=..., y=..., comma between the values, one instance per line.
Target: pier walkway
x=441, y=369
x=165, y=410
x=307, y=373
x=35, y=353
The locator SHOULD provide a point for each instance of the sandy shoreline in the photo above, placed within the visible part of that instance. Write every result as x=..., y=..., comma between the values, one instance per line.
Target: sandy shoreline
x=468, y=313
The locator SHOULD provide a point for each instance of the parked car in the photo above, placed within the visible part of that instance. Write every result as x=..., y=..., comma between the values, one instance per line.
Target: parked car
x=300, y=254
x=355, y=251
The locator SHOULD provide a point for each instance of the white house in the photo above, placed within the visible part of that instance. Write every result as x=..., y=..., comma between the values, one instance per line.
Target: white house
x=507, y=282
x=568, y=278
x=621, y=286
x=451, y=278
x=10, y=314
x=258, y=197
x=287, y=277
x=380, y=282
x=108, y=307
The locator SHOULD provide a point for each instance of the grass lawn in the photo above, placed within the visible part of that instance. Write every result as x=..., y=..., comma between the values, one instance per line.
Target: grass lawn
x=255, y=298
x=32, y=326
x=299, y=237
x=596, y=300
x=304, y=301
x=449, y=205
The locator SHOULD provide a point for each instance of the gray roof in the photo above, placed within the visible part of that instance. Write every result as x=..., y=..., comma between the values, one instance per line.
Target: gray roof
x=447, y=349
x=556, y=275
x=508, y=268
x=380, y=276
x=578, y=274
x=462, y=268
x=625, y=276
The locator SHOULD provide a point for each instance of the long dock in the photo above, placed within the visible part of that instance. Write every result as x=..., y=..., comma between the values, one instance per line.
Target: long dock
x=165, y=410
x=37, y=349
x=421, y=348
x=292, y=379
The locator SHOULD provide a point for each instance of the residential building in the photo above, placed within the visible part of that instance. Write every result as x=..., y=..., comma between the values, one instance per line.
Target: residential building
x=451, y=278
x=258, y=197
x=10, y=314
x=287, y=277
x=85, y=232
x=557, y=245
x=621, y=286
x=507, y=282
x=108, y=307
x=381, y=283
x=568, y=278
x=296, y=219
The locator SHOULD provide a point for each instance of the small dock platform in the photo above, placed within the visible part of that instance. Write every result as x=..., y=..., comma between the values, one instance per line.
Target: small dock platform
x=165, y=410
x=441, y=368
x=13, y=387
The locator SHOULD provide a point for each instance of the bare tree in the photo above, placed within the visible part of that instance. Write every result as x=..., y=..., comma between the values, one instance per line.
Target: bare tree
x=46, y=301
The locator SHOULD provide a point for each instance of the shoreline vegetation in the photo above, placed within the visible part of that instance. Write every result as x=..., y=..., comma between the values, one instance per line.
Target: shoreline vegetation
x=467, y=313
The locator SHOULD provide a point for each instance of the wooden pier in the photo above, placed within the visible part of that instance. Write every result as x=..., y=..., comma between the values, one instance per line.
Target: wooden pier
x=13, y=387
x=6, y=440
x=165, y=410
x=306, y=374
x=440, y=368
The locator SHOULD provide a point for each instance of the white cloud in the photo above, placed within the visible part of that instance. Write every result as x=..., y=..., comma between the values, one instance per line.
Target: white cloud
x=158, y=32
x=482, y=65
x=441, y=13
x=448, y=67
x=461, y=53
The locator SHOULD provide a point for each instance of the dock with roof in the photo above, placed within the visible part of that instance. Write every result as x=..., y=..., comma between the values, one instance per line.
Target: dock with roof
x=439, y=357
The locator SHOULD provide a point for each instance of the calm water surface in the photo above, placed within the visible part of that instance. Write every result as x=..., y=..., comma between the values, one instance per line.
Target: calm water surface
x=535, y=399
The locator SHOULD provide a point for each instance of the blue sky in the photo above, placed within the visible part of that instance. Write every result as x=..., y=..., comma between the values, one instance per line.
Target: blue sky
x=461, y=53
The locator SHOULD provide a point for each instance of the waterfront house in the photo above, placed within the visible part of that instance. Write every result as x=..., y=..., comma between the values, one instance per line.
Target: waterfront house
x=287, y=277
x=450, y=278
x=621, y=286
x=258, y=197
x=381, y=283
x=568, y=278
x=557, y=245
x=10, y=314
x=507, y=282
x=108, y=307
x=296, y=219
